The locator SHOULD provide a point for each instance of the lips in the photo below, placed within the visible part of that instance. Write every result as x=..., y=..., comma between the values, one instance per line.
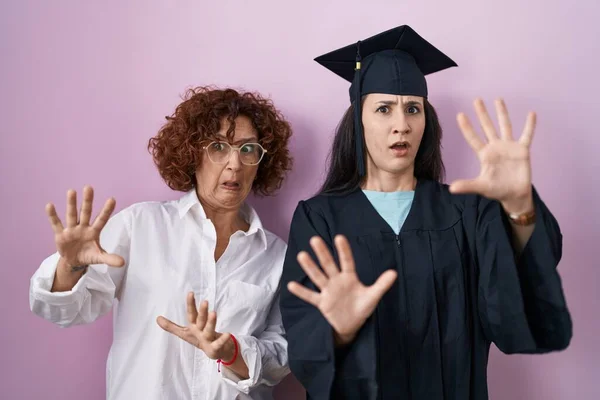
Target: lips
x=400, y=146
x=400, y=149
x=231, y=185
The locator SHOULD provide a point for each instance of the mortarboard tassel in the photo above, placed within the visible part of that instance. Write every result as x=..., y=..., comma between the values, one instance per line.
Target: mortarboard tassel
x=358, y=128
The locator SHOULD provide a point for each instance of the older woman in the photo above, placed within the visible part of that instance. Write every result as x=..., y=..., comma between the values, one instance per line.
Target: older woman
x=217, y=147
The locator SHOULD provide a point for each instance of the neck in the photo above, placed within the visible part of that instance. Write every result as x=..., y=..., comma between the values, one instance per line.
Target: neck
x=226, y=221
x=382, y=181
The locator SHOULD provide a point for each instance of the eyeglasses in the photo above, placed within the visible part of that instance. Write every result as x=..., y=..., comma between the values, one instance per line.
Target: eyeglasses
x=220, y=152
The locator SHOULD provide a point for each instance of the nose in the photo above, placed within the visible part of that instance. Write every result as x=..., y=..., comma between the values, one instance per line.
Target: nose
x=234, y=163
x=401, y=124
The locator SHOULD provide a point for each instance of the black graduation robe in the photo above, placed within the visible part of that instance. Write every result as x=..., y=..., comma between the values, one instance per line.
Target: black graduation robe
x=459, y=289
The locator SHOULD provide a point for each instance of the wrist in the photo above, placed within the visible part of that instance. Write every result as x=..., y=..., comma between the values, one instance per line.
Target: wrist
x=519, y=205
x=341, y=340
x=71, y=269
x=66, y=277
x=231, y=353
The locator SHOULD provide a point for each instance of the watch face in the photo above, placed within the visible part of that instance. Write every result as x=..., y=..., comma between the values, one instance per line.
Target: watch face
x=523, y=219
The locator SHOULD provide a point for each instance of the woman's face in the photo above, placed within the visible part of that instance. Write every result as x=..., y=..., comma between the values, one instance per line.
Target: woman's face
x=393, y=129
x=226, y=185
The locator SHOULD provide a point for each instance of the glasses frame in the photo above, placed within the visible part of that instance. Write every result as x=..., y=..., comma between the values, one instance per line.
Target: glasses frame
x=232, y=149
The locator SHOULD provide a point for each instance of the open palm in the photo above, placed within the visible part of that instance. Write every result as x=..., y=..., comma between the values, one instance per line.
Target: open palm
x=201, y=330
x=79, y=242
x=505, y=163
x=343, y=299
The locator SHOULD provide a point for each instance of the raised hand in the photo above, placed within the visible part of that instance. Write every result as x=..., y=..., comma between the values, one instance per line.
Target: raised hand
x=79, y=242
x=343, y=300
x=201, y=331
x=505, y=163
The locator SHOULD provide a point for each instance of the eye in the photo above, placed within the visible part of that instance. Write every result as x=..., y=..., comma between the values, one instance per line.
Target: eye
x=413, y=110
x=218, y=146
x=383, y=110
x=248, y=148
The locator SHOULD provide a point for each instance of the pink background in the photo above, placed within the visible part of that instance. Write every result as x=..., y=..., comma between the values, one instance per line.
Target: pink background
x=83, y=86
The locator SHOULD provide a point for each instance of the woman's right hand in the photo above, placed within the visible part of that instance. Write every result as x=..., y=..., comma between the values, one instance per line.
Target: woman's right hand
x=79, y=242
x=343, y=300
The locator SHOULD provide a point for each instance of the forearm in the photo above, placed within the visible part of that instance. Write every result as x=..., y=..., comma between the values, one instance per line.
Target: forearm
x=239, y=367
x=520, y=234
x=66, y=277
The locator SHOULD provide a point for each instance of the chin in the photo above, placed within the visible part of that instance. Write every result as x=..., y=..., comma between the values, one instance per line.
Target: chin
x=400, y=166
x=232, y=198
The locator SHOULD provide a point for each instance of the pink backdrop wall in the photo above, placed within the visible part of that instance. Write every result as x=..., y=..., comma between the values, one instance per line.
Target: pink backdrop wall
x=83, y=86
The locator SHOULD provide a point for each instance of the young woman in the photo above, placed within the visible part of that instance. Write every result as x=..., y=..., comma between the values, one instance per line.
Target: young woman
x=417, y=278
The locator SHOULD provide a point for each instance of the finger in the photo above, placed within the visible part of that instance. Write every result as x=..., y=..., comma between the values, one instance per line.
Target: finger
x=469, y=133
x=86, y=206
x=171, y=327
x=113, y=260
x=55, y=222
x=383, y=284
x=485, y=120
x=312, y=270
x=324, y=256
x=71, y=208
x=104, y=215
x=192, y=312
x=468, y=186
x=221, y=341
x=530, y=124
x=211, y=323
x=202, y=315
x=345, y=254
x=503, y=120
x=304, y=293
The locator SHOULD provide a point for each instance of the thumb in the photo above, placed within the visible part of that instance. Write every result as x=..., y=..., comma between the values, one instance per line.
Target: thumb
x=462, y=186
x=113, y=260
x=383, y=284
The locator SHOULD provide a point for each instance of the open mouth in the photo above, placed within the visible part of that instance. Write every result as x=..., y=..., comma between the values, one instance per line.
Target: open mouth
x=231, y=185
x=400, y=146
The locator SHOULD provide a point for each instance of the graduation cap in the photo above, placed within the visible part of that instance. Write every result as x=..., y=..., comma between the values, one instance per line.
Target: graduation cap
x=392, y=62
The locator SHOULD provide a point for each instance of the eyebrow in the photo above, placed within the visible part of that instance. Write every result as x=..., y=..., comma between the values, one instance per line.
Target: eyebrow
x=394, y=102
x=244, y=140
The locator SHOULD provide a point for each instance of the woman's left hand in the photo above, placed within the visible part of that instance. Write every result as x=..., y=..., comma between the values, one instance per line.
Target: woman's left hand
x=201, y=331
x=505, y=163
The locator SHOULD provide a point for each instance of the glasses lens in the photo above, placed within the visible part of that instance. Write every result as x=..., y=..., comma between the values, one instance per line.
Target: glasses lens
x=251, y=153
x=218, y=152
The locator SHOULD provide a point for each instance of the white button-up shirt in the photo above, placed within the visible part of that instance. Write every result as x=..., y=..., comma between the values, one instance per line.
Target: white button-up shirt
x=168, y=249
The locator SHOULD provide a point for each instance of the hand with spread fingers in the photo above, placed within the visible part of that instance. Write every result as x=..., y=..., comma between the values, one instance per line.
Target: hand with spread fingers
x=201, y=331
x=79, y=242
x=343, y=299
x=505, y=162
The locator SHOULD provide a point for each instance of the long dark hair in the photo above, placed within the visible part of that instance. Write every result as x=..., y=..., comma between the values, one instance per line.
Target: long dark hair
x=342, y=173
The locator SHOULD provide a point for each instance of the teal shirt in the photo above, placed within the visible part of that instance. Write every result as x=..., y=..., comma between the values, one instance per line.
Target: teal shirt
x=392, y=206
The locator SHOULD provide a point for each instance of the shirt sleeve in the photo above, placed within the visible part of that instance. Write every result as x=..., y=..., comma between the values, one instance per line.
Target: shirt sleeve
x=265, y=355
x=522, y=306
x=94, y=293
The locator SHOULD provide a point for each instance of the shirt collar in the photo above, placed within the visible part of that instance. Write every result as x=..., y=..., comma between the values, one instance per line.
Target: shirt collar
x=190, y=200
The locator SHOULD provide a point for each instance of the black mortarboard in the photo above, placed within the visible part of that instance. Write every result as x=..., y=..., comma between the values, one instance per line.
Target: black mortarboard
x=392, y=62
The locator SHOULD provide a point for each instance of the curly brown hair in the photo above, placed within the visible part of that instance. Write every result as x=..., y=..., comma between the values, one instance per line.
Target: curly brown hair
x=177, y=148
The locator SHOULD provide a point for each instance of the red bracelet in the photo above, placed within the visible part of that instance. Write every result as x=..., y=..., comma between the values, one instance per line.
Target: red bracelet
x=235, y=354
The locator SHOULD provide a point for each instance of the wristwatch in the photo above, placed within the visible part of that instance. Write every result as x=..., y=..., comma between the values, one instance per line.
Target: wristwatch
x=524, y=219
